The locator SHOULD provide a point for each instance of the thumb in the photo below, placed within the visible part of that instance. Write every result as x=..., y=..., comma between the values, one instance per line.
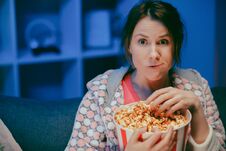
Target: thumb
x=137, y=134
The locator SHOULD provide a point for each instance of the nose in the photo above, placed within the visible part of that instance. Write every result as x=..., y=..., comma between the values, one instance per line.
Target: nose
x=154, y=53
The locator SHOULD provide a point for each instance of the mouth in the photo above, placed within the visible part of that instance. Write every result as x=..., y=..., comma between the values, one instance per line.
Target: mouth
x=155, y=66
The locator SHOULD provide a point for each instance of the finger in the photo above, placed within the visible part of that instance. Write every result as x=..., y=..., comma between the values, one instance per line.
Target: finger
x=173, y=145
x=156, y=94
x=165, y=140
x=168, y=135
x=137, y=134
x=162, y=98
x=176, y=107
x=174, y=142
x=173, y=138
x=153, y=139
x=168, y=104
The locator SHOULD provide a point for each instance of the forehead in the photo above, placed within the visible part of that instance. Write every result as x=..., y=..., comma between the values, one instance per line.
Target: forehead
x=149, y=27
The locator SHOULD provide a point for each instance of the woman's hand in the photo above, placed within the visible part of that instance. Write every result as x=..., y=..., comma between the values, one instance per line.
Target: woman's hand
x=156, y=142
x=172, y=99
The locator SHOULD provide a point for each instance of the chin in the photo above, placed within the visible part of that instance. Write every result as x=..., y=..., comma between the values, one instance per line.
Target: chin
x=156, y=76
x=150, y=79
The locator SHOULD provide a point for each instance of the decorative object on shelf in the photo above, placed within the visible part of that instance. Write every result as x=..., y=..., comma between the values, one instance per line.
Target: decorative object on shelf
x=98, y=29
x=41, y=35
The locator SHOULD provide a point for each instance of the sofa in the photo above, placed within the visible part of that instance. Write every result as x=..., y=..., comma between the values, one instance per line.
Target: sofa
x=39, y=125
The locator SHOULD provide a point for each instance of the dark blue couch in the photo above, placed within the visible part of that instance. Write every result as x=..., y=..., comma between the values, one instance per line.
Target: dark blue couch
x=39, y=125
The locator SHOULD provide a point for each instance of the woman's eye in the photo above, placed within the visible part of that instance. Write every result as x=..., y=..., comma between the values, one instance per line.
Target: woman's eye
x=163, y=42
x=142, y=42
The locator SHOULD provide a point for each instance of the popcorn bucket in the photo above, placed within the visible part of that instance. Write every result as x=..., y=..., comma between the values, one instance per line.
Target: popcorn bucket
x=182, y=132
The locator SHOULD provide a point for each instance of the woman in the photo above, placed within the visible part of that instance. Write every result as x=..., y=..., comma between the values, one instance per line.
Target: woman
x=152, y=38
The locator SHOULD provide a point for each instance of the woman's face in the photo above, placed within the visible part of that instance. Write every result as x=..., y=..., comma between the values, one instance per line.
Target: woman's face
x=151, y=48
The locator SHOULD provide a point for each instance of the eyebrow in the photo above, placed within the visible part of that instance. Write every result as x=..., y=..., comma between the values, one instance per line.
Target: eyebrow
x=164, y=35
x=141, y=35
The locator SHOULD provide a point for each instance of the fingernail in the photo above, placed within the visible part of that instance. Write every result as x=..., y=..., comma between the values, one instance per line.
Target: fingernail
x=140, y=138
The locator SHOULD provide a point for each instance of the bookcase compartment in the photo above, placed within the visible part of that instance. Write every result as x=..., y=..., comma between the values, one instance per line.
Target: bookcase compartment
x=28, y=27
x=97, y=21
x=43, y=29
x=7, y=80
x=49, y=80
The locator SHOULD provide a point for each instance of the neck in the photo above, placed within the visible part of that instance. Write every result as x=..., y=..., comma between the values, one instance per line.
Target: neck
x=144, y=88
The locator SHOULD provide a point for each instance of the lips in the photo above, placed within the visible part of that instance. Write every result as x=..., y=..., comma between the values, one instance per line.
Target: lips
x=155, y=65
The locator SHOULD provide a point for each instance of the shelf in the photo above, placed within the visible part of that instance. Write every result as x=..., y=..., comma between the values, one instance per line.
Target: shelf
x=29, y=58
x=49, y=80
x=73, y=79
x=7, y=81
x=49, y=23
x=5, y=58
x=96, y=53
x=7, y=41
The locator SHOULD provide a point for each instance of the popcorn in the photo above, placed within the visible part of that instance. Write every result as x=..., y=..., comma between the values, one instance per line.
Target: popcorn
x=141, y=115
x=129, y=117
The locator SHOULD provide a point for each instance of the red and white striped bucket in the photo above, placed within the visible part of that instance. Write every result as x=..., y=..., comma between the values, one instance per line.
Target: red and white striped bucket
x=182, y=133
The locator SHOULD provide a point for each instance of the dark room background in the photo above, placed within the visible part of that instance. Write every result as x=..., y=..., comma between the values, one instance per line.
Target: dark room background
x=51, y=49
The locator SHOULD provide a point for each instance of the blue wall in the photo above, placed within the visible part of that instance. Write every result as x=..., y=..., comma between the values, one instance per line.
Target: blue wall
x=199, y=48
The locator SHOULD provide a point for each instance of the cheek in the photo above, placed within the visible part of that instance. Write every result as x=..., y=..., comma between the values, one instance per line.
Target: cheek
x=137, y=59
x=168, y=55
x=170, y=62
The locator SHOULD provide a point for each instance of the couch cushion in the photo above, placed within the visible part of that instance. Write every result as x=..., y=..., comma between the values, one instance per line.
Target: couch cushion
x=39, y=125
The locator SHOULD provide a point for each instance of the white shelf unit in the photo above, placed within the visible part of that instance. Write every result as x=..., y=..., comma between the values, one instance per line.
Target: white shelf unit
x=49, y=75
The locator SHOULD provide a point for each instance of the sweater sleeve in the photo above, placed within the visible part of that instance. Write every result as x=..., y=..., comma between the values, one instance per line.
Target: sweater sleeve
x=88, y=131
x=216, y=137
